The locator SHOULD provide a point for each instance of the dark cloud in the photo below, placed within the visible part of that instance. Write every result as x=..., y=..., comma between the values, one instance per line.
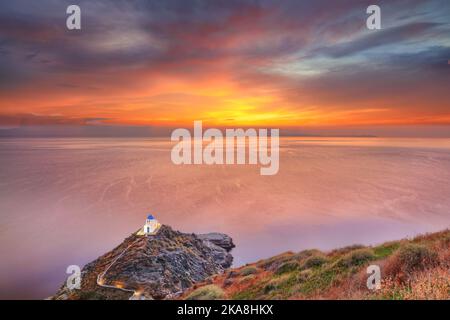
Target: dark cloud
x=39, y=120
x=176, y=33
x=126, y=44
x=380, y=38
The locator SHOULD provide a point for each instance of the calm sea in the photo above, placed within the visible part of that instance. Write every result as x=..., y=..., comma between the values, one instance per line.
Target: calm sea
x=67, y=201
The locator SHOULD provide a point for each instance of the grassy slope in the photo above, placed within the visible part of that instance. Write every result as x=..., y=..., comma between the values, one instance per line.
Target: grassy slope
x=418, y=268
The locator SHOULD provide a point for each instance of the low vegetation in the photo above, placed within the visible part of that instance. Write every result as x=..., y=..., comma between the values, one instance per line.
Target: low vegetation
x=415, y=268
x=248, y=271
x=410, y=258
x=356, y=258
x=209, y=292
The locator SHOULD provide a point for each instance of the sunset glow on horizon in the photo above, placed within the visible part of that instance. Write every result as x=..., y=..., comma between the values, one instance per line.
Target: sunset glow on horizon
x=227, y=63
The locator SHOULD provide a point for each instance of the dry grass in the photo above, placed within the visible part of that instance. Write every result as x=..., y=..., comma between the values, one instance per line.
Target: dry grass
x=209, y=292
x=411, y=269
x=408, y=259
x=248, y=271
x=429, y=284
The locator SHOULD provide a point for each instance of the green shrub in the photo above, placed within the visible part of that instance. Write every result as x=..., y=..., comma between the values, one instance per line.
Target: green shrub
x=317, y=281
x=269, y=287
x=287, y=267
x=306, y=254
x=314, y=261
x=409, y=258
x=356, y=258
x=386, y=249
x=304, y=275
x=417, y=257
x=274, y=262
x=248, y=271
x=209, y=292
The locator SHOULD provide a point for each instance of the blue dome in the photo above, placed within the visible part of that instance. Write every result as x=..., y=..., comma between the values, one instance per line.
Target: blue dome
x=150, y=217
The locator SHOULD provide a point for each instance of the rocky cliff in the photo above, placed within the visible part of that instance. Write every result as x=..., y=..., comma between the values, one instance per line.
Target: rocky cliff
x=154, y=267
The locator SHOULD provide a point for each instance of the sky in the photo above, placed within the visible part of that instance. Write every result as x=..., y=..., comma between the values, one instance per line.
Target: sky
x=303, y=66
